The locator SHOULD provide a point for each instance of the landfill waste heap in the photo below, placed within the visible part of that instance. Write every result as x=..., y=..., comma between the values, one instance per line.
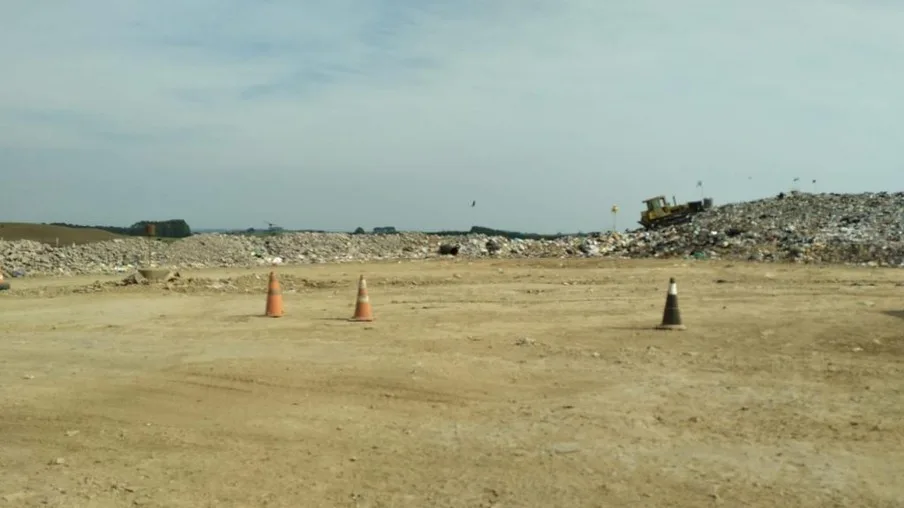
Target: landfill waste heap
x=796, y=227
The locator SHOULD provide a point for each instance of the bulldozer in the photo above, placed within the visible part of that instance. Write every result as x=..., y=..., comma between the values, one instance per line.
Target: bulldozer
x=660, y=213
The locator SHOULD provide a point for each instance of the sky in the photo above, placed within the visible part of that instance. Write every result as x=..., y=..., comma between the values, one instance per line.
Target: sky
x=334, y=115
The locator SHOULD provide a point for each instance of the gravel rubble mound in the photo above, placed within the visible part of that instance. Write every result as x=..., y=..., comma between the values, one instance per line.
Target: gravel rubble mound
x=797, y=227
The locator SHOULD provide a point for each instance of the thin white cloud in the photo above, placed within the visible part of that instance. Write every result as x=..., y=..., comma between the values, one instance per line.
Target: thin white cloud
x=542, y=102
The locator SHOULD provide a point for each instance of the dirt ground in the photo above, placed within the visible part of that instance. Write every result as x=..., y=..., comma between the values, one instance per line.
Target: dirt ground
x=480, y=384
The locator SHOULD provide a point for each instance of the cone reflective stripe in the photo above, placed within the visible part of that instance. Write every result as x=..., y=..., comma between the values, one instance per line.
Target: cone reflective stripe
x=274, y=297
x=363, y=310
x=671, y=316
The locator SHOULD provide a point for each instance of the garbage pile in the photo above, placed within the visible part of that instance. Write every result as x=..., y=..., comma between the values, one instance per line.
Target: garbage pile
x=814, y=228
x=797, y=227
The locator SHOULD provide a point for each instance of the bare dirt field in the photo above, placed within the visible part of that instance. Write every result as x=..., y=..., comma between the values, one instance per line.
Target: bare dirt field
x=480, y=384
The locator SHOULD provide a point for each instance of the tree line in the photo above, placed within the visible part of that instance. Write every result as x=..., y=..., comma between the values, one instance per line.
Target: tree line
x=475, y=230
x=512, y=235
x=173, y=228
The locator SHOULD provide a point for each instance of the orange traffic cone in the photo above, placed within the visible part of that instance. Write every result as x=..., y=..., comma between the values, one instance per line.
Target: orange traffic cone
x=274, y=297
x=363, y=311
x=671, y=316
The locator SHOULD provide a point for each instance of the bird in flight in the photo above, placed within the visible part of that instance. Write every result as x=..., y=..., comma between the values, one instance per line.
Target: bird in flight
x=473, y=204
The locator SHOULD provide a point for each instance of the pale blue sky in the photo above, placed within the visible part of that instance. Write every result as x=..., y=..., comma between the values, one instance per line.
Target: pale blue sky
x=349, y=112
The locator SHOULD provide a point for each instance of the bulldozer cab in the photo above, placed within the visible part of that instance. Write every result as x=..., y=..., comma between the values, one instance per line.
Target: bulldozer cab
x=656, y=204
x=659, y=212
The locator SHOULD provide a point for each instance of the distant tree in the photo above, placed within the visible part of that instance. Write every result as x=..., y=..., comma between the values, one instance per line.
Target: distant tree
x=359, y=231
x=173, y=228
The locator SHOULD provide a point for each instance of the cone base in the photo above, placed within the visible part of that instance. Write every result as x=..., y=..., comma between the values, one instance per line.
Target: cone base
x=671, y=327
x=361, y=319
x=273, y=310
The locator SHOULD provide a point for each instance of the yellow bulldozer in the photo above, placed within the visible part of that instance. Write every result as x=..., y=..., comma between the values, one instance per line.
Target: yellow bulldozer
x=660, y=213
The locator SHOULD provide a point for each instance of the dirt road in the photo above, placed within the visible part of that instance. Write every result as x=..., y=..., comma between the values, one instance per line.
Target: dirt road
x=485, y=384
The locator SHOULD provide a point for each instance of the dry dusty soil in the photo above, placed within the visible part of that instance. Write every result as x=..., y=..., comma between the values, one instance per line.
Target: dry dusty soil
x=484, y=384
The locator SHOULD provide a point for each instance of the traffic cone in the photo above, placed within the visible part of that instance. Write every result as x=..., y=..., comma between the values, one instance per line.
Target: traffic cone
x=274, y=297
x=363, y=311
x=671, y=317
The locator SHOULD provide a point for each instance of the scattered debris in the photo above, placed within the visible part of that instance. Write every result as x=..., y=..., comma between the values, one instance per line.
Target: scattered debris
x=865, y=229
x=448, y=249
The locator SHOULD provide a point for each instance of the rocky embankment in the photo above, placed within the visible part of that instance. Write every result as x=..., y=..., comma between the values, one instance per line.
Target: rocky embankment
x=823, y=228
